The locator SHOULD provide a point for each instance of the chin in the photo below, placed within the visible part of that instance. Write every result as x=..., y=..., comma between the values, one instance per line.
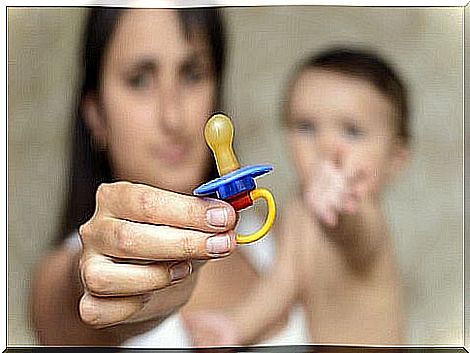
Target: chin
x=180, y=181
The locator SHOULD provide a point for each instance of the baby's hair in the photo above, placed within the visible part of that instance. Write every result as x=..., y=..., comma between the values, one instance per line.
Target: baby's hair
x=368, y=66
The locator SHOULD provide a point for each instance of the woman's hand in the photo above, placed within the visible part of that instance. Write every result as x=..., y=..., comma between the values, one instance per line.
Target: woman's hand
x=138, y=249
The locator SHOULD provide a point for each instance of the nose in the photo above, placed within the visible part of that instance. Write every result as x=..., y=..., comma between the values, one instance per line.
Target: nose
x=169, y=109
x=331, y=147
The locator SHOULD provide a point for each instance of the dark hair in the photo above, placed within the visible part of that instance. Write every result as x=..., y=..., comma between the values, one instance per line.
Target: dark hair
x=90, y=165
x=366, y=65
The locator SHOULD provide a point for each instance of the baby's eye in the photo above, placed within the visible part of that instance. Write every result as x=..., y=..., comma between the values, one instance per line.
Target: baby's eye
x=304, y=127
x=354, y=132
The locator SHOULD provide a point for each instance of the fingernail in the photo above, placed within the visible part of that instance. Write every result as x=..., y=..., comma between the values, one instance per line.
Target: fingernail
x=217, y=216
x=218, y=244
x=179, y=271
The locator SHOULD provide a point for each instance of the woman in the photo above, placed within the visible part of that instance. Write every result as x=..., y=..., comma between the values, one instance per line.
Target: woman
x=152, y=77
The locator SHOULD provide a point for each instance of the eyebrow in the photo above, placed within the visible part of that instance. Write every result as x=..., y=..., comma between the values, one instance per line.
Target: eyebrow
x=145, y=63
x=151, y=63
x=196, y=57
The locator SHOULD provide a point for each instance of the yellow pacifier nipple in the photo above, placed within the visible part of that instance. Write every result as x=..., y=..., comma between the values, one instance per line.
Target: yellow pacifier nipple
x=219, y=137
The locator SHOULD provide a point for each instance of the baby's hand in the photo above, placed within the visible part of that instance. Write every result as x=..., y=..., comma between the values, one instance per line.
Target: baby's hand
x=334, y=190
x=210, y=328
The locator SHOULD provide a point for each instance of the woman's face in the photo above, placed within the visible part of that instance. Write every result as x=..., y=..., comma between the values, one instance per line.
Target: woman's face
x=157, y=90
x=333, y=116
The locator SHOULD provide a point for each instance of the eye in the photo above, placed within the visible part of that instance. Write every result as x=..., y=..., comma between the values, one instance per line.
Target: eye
x=193, y=73
x=352, y=131
x=304, y=127
x=141, y=80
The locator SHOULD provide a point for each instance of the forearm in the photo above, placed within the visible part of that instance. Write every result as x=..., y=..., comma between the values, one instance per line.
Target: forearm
x=265, y=306
x=270, y=301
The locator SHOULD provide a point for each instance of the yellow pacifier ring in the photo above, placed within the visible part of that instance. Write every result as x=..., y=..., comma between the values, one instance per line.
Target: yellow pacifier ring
x=270, y=217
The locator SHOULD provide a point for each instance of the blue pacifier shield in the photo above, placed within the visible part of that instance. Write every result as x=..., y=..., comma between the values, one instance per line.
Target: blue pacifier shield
x=233, y=183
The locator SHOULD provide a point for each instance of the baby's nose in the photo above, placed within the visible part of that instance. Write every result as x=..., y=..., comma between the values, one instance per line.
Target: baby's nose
x=332, y=149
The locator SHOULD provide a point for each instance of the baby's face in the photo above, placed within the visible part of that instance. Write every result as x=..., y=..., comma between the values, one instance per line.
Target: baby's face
x=337, y=118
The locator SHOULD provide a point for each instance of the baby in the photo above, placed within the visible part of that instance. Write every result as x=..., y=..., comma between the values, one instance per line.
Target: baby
x=346, y=115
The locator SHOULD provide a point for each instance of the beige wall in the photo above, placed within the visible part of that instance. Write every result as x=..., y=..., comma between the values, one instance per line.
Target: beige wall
x=425, y=207
x=467, y=170
x=41, y=61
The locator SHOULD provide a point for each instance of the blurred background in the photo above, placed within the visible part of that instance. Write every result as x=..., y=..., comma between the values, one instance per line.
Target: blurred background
x=424, y=207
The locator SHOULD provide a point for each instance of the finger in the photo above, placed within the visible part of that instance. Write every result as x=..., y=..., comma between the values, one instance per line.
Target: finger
x=360, y=177
x=102, y=277
x=130, y=240
x=142, y=203
x=332, y=180
x=310, y=203
x=367, y=183
x=108, y=311
x=350, y=205
x=330, y=217
x=102, y=312
x=326, y=215
x=357, y=191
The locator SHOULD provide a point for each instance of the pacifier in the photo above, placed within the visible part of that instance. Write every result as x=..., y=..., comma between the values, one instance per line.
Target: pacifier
x=235, y=185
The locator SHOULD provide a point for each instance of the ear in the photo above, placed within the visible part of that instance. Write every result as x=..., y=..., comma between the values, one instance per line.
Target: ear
x=94, y=119
x=399, y=159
